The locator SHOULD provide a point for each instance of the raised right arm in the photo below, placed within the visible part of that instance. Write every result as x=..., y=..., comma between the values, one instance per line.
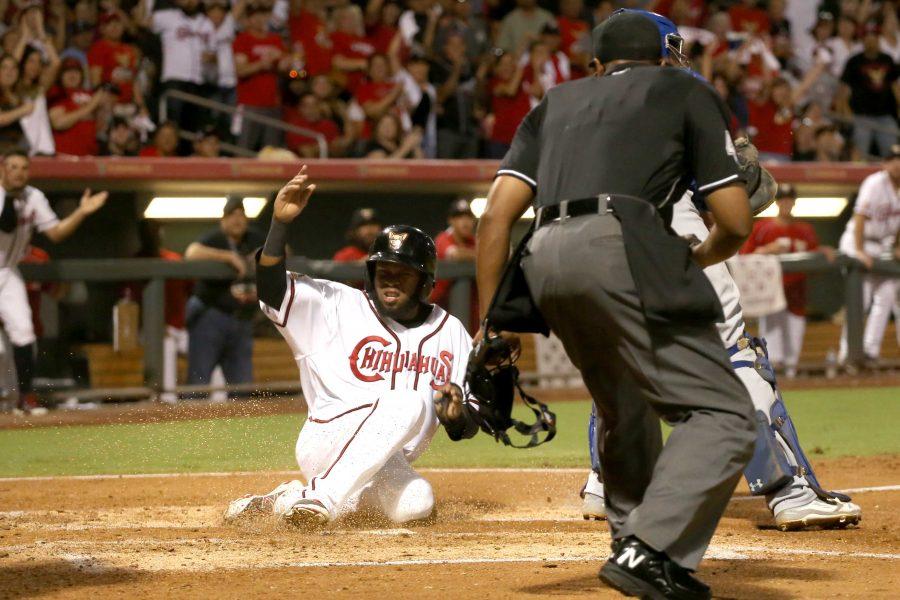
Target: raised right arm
x=271, y=282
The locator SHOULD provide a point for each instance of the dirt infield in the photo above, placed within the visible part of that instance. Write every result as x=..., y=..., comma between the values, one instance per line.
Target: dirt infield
x=497, y=533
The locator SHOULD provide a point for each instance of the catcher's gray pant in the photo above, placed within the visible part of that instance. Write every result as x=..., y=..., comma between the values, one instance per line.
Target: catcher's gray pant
x=671, y=498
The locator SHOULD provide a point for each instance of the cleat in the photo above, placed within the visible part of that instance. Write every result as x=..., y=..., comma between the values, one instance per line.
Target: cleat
x=248, y=506
x=820, y=513
x=306, y=514
x=593, y=507
x=251, y=505
x=594, y=502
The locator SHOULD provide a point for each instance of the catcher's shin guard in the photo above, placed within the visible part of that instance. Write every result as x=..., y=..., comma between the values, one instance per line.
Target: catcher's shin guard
x=769, y=469
x=780, y=424
x=784, y=426
x=593, y=442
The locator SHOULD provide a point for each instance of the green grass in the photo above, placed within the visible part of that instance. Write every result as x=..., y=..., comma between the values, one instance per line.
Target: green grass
x=839, y=422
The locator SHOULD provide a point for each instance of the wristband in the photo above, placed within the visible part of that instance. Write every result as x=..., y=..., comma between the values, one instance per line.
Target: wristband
x=276, y=241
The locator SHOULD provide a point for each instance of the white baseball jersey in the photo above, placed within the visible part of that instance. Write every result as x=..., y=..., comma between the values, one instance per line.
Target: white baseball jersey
x=349, y=355
x=33, y=212
x=686, y=220
x=879, y=202
x=223, y=37
x=184, y=40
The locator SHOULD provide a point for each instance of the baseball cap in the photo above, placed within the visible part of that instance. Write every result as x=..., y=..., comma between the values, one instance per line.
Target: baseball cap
x=232, y=203
x=110, y=16
x=550, y=29
x=71, y=63
x=209, y=130
x=786, y=190
x=626, y=36
x=79, y=27
x=259, y=6
x=871, y=28
x=459, y=207
x=364, y=216
x=824, y=17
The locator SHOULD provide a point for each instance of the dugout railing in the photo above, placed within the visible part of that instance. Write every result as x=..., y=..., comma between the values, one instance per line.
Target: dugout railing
x=156, y=272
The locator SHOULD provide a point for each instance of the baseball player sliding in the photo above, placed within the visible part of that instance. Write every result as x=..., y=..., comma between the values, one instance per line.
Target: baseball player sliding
x=22, y=210
x=370, y=363
x=779, y=470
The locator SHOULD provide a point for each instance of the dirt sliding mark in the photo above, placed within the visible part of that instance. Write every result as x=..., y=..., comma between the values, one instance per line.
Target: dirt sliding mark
x=496, y=534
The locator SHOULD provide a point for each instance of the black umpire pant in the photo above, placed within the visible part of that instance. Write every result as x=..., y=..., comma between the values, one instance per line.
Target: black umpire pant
x=670, y=497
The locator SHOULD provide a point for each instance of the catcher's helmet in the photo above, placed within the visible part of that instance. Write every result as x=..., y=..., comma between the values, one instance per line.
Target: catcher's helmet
x=672, y=42
x=404, y=245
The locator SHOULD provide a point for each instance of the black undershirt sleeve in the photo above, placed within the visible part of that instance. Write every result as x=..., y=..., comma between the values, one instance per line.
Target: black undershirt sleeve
x=271, y=281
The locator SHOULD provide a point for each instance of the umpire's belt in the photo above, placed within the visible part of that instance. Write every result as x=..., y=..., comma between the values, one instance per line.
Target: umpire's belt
x=672, y=288
x=595, y=205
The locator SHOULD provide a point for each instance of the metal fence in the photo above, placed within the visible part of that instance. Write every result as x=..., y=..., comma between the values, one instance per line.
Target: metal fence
x=155, y=272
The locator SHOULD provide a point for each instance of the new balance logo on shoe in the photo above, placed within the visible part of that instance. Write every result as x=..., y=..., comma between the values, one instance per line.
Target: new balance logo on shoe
x=633, y=558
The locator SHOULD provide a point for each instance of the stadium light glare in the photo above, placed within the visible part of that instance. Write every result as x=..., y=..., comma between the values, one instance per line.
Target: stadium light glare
x=199, y=207
x=479, y=204
x=812, y=207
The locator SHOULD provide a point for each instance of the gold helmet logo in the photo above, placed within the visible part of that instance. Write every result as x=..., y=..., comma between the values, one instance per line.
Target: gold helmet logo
x=395, y=240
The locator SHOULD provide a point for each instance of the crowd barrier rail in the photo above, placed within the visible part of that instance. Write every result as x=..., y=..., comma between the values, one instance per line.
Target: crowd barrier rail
x=155, y=272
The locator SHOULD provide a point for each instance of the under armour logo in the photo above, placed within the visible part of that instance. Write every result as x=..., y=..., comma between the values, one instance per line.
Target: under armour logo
x=756, y=485
x=633, y=558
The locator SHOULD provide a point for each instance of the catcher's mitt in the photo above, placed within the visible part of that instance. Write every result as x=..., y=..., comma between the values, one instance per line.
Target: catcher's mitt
x=761, y=186
x=492, y=379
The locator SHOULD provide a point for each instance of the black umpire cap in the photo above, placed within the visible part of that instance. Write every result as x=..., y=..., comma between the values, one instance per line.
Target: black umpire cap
x=363, y=216
x=626, y=36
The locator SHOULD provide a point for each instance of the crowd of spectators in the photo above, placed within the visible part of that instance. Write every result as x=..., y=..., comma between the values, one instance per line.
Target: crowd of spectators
x=805, y=79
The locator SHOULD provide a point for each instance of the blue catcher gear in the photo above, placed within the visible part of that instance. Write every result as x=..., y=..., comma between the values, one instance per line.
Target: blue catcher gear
x=767, y=470
x=592, y=440
x=671, y=42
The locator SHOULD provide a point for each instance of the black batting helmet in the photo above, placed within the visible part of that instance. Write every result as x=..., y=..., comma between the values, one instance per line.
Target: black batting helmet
x=405, y=245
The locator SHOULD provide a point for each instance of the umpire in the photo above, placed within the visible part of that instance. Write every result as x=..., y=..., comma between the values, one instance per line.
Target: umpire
x=603, y=159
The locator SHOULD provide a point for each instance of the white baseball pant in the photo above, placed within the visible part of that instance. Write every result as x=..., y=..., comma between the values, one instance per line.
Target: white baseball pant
x=783, y=332
x=361, y=459
x=15, y=312
x=879, y=295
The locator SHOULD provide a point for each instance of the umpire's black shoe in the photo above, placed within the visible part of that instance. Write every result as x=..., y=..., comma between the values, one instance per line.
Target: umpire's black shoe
x=637, y=570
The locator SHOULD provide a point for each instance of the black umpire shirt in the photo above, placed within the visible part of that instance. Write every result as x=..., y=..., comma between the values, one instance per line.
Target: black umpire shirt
x=640, y=130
